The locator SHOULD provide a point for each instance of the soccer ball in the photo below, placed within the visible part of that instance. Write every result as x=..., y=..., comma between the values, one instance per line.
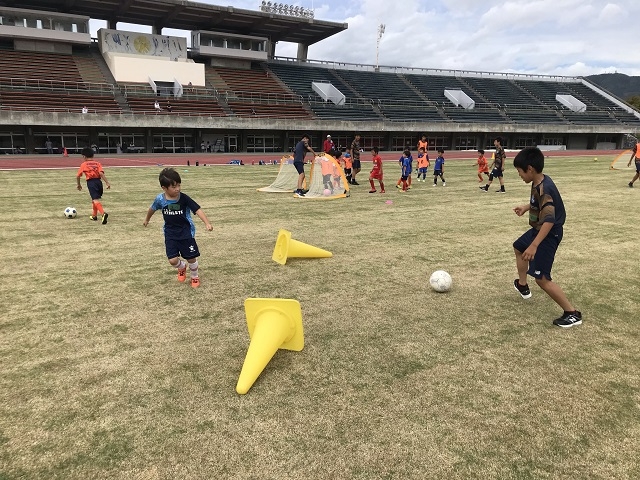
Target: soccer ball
x=70, y=212
x=326, y=192
x=440, y=281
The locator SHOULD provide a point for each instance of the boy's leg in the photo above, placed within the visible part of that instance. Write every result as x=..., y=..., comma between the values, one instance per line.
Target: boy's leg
x=178, y=263
x=381, y=186
x=193, y=270
x=556, y=293
x=522, y=266
x=373, y=186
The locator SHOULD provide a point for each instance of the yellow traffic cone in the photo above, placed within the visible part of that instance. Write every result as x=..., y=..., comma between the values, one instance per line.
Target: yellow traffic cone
x=287, y=247
x=273, y=323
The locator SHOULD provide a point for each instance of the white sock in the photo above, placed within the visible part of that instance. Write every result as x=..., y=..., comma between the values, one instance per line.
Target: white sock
x=181, y=265
x=194, y=269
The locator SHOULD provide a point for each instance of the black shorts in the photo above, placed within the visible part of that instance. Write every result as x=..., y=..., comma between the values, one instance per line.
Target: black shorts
x=347, y=171
x=542, y=262
x=95, y=188
x=496, y=173
x=356, y=164
x=186, y=248
x=299, y=167
x=637, y=166
x=437, y=173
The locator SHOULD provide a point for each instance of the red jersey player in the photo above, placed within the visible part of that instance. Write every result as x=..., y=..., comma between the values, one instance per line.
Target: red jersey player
x=376, y=172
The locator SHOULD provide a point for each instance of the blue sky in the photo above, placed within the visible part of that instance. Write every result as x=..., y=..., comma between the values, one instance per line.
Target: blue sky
x=552, y=37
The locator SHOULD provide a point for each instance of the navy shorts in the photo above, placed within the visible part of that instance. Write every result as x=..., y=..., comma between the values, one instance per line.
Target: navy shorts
x=637, y=166
x=94, y=185
x=186, y=248
x=542, y=262
x=423, y=170
x=299, y=167
x=356, y=164
x=437, y=173
x=496, y=173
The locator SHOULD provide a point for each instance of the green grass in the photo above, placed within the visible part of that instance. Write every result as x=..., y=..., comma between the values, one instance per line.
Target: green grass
x=109, y=368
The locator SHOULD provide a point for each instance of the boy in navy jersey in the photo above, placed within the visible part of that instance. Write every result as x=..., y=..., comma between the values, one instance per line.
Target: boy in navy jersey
x=438, y=169
x=179, y=230
x=536, y=249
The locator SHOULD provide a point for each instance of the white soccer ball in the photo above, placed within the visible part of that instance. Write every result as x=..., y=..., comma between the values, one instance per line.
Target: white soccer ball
x=440, y=281
x=70, y=212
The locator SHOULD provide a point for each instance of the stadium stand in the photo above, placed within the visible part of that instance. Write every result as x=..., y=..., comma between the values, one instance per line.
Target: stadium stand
x=433, y=87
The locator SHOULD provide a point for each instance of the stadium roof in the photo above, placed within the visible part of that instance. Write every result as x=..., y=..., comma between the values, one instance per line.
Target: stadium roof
x=187, y=15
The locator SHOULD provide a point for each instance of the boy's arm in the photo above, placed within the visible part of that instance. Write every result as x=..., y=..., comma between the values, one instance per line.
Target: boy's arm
x=150, y=213
x=204, y=218
x=103, y=178
x=78, y=177
x=522, y=209
x=633, y=155
x=530, y=252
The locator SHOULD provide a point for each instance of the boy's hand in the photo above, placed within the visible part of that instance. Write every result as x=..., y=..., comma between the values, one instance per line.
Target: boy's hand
x=79, y=187
x=520, y=210
x=529, y=253
x=145, y=223
x=208, y=226
x=108, y=186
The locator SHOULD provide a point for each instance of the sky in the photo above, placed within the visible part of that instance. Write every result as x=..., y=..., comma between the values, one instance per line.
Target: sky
x=543, y=37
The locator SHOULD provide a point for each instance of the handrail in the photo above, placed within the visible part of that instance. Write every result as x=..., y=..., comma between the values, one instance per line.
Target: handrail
x=51, y=85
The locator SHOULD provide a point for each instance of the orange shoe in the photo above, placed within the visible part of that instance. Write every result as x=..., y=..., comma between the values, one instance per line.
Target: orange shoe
x=195, y=282
x=182, y=274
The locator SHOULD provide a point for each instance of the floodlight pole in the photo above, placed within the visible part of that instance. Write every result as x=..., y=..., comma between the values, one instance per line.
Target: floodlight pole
x=381, y=28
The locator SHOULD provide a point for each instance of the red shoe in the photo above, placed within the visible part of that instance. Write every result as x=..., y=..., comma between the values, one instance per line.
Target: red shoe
x=182, y=274
x=195, y=282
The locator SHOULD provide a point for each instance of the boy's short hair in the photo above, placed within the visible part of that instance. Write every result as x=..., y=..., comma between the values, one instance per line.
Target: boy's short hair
x=529, y=156
x=168, y=177
x=498, y=139
x=375, y=149
x=481, y=151
x=440, y=150
x=306, y=135
x=407, y=152
x=87, y=152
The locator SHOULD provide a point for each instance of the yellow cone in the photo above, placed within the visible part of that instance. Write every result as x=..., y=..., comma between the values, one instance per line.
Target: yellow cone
x=287, y=247
x=273, y=323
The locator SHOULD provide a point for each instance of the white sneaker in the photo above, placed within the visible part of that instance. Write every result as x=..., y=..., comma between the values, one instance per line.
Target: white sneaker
x=435, y=185
x=444, y=184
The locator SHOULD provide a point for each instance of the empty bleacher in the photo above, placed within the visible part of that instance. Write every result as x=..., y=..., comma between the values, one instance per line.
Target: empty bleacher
x=433, y=87
x=379, y=86
x=256, y=93
x=501, y=91
x=411, y=113
x=196, y=102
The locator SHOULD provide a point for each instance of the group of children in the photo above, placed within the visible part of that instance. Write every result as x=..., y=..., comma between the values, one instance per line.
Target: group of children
x=534, y=250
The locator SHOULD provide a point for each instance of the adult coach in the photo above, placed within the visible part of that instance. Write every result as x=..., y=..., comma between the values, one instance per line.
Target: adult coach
x=354, y=151
x=497, y=167
x=635, y=155
x=328, y=146
x=300, y=151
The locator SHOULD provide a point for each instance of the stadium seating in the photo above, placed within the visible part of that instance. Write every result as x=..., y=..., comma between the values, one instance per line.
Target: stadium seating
x=501, y=91
x=378, y=86
x=433, y=87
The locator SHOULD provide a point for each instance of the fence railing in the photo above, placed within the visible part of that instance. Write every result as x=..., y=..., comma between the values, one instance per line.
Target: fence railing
x=56, y=85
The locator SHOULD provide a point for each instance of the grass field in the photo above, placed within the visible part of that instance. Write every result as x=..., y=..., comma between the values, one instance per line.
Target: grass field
x=109, y=368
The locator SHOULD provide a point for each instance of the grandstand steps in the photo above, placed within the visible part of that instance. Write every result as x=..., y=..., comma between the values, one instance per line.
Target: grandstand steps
x=99, y=62
x=414, y=88
x=216, y=83
x=353, y=91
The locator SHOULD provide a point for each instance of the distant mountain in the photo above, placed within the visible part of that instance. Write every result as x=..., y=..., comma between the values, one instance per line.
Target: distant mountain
x=621, y=85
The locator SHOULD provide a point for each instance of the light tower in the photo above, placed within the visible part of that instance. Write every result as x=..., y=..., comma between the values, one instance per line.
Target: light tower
x=381, y=28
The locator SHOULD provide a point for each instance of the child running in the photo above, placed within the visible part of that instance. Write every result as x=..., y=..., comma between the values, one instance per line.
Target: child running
x=179, y=230
x=376, y=172
x=483, y=166
x=94, y=173
x=423, y=164
x=406, y=169
x=536, y=249
x=406, y=155
x=438, y=169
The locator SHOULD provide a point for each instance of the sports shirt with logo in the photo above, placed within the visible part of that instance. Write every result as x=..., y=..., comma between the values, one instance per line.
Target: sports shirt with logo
x=178, y=224
x=499, y=158
x=546, y=206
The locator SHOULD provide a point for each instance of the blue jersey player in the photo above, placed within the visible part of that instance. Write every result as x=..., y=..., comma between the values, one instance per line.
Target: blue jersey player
x=179, y=230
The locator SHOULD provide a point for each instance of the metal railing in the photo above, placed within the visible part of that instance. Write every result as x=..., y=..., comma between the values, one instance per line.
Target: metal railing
x=55, y=85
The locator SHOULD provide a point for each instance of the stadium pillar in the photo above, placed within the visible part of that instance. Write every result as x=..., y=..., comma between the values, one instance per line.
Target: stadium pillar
x=112, y=24
x=303, y=51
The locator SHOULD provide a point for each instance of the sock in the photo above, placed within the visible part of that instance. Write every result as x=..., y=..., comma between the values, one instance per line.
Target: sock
x=443, y=180
x=98, y=206
x=502, y=188
x=404, y=185
x=373, y=187
x=381, y=186
x=193, y=267
x=94, y=210
x=181, y=265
